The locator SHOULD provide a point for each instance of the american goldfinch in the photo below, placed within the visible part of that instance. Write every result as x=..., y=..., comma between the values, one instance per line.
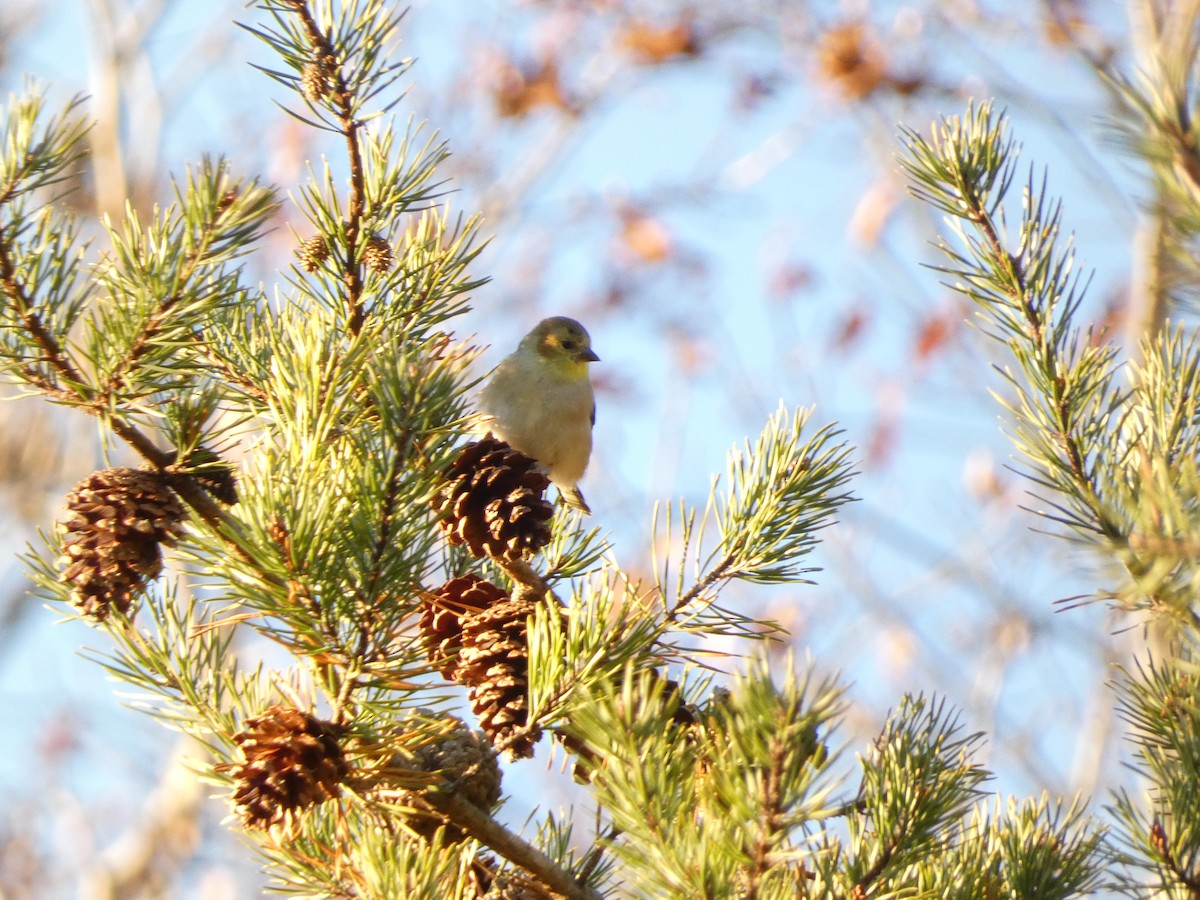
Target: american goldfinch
x=540, y=402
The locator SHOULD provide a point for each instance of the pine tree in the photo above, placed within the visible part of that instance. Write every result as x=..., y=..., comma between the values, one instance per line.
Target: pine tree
x=1114, y=460
x=309, y=476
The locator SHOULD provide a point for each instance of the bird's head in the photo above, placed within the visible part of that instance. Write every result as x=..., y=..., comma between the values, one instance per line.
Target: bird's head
x=562, y=343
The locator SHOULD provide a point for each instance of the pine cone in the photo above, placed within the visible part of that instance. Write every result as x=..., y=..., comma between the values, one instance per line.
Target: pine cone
x=315, y=83
x=494, y=502
x=470, y=769
x=516, y=886
x=293, y=760
x=468, y=763
x=313, y=252
x=119, y=517
x=441, y=618
x=494, y=665
x=377, y=255
x=684, y=713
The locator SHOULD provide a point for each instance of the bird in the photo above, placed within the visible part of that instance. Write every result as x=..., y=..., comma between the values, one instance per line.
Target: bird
x=540, y=402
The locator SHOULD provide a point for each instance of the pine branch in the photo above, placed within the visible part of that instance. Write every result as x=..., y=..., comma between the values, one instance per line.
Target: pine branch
x=716, y=574
x=1073, y=424
x=373, y=585
x=778, y=495
x=345, y=103
x=247, y=385
x=491, y=834
x=33, y=161
x=951, y=171
x=771, y=824
x=920, y=780
x=52, y=352
x=1160, y=703
x=341, y=68
x=44, y=303
x=55, y=355
x=154, y=324
x=1186, y=878
x=1156, y=124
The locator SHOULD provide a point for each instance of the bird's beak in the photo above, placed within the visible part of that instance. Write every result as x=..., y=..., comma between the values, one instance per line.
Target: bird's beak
x=588, y=355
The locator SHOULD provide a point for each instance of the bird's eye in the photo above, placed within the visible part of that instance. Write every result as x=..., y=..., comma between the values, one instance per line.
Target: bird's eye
x=568, y=344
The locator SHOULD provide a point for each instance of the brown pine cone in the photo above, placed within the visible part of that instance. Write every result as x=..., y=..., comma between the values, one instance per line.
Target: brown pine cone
x=292, y=760
x=377, y=255
x=494, y=502
x=494, y=665
x=312, y=252
x=315, y=83
x=120, y=517
x=442, y=615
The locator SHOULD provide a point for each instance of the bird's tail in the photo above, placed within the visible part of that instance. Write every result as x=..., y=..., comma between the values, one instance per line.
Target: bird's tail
x=574, y=499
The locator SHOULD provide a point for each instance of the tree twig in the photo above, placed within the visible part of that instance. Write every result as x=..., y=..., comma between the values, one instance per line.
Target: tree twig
x=479, y=825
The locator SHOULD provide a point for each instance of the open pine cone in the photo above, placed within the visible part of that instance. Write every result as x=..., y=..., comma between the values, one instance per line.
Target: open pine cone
x=443, y=612
x=478, y=637
x=120, y=518
x=293, y=760
x=494, y=502
x=494, y=665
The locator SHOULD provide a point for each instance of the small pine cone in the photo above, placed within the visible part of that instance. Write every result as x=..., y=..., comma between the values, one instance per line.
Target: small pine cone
x=468, y=763
x=377, y=255
x=494, y=502
x=494, y=666
x=1159, y=840
x=313, y=252
x=470, y=770
x=516, y=886
x=442, y=615
x=315, y=84
x=119, y=519
x=277, y=531
x=684, y=714
x=292, y=760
